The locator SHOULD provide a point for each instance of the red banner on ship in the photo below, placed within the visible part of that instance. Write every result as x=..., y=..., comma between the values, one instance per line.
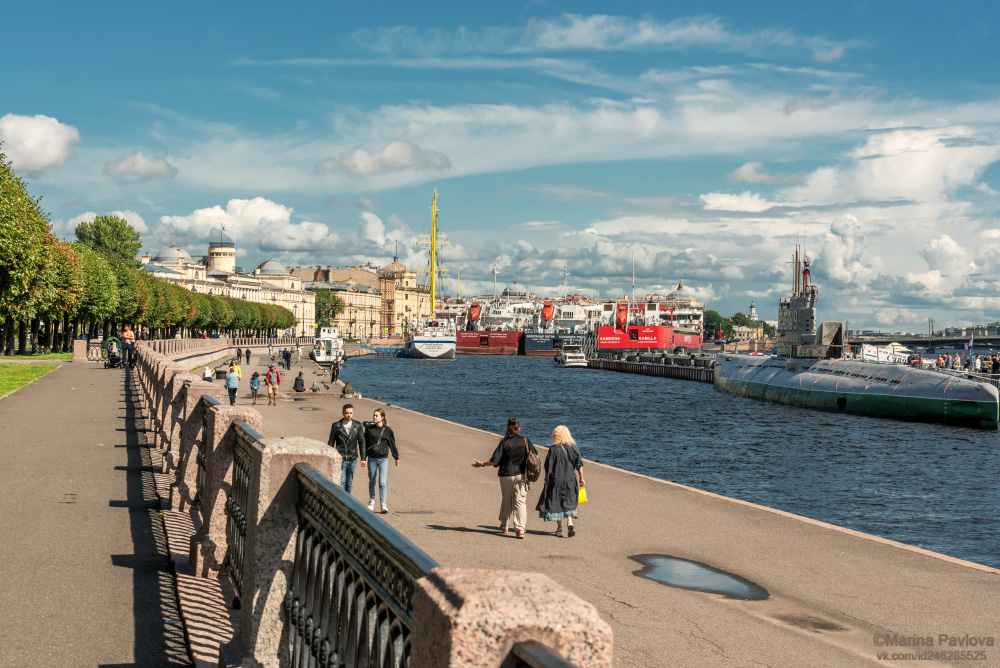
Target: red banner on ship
x=642, y=337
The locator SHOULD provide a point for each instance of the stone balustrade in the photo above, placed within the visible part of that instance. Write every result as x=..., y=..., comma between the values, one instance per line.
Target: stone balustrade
x=311, y=567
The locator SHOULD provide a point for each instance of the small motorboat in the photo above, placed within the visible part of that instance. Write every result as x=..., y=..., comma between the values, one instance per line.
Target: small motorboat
x=571, y=356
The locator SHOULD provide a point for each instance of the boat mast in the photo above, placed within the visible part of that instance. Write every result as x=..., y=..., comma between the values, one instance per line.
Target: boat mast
x=434, y=231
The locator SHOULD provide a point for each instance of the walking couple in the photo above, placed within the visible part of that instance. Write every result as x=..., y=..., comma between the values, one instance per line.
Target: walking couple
x=561, y=491
x=369, y=442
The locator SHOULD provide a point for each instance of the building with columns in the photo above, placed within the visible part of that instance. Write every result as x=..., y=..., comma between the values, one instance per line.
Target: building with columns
x=402, y=299
x=217, y=274
x=362, y=306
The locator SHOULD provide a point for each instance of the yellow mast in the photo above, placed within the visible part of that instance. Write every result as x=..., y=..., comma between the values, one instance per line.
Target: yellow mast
x=434, y=236
x=433, y=240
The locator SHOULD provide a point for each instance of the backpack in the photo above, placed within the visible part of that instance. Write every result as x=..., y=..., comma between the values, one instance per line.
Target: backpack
x=532, y=464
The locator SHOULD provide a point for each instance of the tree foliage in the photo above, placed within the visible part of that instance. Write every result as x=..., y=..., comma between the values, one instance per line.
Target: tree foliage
x=24, y=245
x=97, y=278
x=328, y=306
x=113, y=236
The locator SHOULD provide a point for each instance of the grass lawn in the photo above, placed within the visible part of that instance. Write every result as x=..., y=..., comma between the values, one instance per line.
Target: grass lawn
x=47, y=356
x=13, y=376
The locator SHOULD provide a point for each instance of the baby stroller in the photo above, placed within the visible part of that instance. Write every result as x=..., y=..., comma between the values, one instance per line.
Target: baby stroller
x=111, y=351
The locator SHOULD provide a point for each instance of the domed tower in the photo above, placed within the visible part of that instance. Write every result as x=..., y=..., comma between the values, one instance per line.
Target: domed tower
x=221, y=255
x=753, y=312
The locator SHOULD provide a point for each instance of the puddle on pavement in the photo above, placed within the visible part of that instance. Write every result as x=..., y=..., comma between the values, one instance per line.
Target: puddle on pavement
x=685, y=574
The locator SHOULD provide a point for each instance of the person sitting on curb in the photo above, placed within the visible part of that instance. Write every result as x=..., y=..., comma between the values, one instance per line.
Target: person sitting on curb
x=348, y=391
x=207, y=375
x=300, y=383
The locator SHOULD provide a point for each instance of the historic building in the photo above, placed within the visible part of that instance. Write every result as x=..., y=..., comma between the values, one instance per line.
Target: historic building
x=362, y=304
x=402, y=299
x=217, y=274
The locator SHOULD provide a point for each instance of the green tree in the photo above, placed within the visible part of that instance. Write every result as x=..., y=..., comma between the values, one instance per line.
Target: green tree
x=740, y=320
x=113, y=236
x=714, y=322
x=100, y=287
x=328, y=306
x=24, y=245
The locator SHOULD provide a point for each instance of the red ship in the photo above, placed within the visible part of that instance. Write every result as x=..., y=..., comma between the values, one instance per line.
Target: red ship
x=644, y=334
x=488, y=343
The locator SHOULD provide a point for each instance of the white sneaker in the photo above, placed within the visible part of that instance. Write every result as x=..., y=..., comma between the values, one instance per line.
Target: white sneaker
x=371, y=504
x=385, y=509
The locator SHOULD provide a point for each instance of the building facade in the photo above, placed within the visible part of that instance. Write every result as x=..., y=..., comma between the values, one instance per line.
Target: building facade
x=403, y=300
x=362, y=308
x=217, y=274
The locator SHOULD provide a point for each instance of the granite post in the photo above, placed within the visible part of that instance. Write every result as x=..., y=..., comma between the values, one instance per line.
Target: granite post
x=272, y=524
x=471, y=618
x=184, y=489
x=209, y=543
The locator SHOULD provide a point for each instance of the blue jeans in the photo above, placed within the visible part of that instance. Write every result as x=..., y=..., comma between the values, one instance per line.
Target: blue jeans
x=378, y=466
x=347, y=474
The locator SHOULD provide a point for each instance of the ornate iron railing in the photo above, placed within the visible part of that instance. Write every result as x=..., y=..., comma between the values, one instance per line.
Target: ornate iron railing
x=208, y=404
x=350, y=599
x=238, y=502
x=533, y=654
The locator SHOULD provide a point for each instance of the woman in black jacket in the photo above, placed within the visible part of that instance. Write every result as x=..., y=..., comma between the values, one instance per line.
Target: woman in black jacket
x=509, y=458
x=381, y=441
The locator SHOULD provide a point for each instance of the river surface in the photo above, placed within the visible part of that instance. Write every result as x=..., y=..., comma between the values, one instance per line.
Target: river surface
x=931, y=486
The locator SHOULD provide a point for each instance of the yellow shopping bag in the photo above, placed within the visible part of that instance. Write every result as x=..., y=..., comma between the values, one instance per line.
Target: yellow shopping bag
x=583, y=496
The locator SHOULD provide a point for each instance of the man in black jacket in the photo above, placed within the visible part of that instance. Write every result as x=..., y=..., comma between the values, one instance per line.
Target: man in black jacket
x=348, y=436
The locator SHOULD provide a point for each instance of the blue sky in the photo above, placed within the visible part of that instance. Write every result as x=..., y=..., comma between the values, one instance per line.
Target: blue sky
x=557, y=134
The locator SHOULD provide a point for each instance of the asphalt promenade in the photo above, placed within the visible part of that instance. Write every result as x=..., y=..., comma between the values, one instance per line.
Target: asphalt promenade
x=85, y=580
x=836, y=597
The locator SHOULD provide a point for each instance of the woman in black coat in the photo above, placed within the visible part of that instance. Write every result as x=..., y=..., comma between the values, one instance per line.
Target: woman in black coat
x=561, y=493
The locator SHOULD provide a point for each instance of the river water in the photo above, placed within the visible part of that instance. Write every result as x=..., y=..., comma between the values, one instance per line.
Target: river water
x=931, y=486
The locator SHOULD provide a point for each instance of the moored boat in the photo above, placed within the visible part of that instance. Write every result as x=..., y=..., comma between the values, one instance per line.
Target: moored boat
x=328, y=346
x=431, y=340
x=571, y=356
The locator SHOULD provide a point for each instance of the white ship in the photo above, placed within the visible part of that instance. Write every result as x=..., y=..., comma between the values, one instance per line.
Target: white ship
x=329, y=345
x=571, y=357
x=434, y=339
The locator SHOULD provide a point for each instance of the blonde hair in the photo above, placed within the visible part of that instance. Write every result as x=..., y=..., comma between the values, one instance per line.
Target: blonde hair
x=561, y=436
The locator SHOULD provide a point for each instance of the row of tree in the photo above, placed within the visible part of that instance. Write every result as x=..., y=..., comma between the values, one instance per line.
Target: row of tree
x=714, y=322
x=51, y=291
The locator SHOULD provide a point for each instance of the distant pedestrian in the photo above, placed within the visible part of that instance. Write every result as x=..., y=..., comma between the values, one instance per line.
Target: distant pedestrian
x=270, y=351
x=232, y=384
x=239, y=353
x=234, y=365
x=254, y=387
x=335, y=370
x=300, y=383
x=561, y=491
x=347, y=435
x=381, y=441
x=273, y=380
x=128, y=346
x=298, y=354
x=509, y=458
x=246, y=353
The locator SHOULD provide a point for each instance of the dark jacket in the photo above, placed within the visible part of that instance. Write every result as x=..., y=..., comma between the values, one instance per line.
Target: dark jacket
x=380, y=441
x=509, y=457
x=300, y=384
x=349, y=445
x=561, y=492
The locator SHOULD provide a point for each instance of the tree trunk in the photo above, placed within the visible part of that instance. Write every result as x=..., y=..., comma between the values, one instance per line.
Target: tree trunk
x=22, y=338
x=8, y=343
x=66, y=333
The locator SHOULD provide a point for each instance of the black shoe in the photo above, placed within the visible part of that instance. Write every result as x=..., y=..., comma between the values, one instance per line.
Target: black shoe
x=572, y=531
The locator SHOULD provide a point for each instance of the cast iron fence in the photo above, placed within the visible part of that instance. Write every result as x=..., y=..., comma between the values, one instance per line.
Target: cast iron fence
x=237, y=504
x=208, y=404
x=350, y=599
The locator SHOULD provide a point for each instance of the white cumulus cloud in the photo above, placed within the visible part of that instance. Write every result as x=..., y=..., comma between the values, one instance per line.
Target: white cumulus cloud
x=371, y=227
x=139, y=168
x=844, y=252
x=745, y=201
x=394, y=157
x=33, y=143
x=946, y=256
x=753, y=172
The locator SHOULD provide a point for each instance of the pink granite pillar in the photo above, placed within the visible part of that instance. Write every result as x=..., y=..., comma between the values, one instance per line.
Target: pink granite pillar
x=471, y=618
x=271, y=529
x=208, y=545
x=182, y=495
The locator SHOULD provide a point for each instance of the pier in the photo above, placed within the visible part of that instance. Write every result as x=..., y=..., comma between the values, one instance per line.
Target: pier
x=832, y=593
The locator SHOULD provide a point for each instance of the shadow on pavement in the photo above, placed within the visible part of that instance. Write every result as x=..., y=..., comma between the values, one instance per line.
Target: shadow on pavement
x=480, y=529
x=159, y=633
